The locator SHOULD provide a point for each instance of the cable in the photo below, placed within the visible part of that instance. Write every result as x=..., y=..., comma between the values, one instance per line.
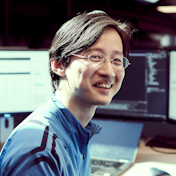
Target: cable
x=152, y=143
x=154, y=149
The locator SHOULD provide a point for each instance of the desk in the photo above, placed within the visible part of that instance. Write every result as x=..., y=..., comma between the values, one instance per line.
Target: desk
x=147, y=157
x=146, y=154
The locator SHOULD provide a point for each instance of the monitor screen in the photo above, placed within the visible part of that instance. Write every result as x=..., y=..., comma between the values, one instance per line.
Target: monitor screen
x=24, y=79
x=144, y=90
x=172, y=86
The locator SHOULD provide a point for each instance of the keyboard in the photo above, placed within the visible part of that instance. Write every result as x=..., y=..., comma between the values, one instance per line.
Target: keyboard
x=105, y=163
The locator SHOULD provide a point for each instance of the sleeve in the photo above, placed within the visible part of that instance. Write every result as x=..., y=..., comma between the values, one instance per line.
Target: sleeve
x=32, y=153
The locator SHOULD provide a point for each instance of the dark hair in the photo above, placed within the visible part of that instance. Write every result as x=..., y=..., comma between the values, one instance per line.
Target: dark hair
x=82, y=31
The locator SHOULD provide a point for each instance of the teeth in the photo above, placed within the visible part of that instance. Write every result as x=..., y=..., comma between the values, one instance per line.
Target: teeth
x=107, y=86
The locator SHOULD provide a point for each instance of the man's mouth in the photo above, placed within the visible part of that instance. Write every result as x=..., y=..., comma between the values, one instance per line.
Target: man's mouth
x=104, y=86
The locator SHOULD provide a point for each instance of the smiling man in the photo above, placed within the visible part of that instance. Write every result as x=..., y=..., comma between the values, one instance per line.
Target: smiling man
x=88, y=58
x=88, y=82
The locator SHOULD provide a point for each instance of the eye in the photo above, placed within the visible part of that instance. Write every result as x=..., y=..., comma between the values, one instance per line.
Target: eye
x=117, y=60
x=95, y=57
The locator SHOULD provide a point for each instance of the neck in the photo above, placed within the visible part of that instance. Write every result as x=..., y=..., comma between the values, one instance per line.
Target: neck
x=82, y=111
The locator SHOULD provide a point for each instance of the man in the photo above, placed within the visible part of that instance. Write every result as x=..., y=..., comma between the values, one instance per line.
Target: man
x=87, y=67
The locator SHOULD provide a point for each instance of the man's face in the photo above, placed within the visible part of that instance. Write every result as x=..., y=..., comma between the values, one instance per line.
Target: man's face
x=94, y=85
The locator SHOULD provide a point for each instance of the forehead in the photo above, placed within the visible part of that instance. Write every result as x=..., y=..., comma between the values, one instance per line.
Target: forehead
x=109, y=41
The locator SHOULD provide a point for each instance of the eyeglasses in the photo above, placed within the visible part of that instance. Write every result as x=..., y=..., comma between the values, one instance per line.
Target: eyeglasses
x=99, y=59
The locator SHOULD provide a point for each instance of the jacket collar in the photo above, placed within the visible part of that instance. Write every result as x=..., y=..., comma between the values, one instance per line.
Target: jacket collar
x=76, y=132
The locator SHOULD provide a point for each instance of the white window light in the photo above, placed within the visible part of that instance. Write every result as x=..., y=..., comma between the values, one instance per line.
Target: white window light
x=165, y=41
x=167, y=9
x=151, y=1
x=148, y=1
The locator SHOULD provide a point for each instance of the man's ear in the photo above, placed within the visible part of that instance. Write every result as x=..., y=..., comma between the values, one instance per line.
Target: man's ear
x=58, y=68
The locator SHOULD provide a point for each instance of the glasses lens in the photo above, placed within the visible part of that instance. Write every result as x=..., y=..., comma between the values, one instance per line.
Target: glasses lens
x=100, y=59
x=96, y=58
x=125, y=62
x=118, y=61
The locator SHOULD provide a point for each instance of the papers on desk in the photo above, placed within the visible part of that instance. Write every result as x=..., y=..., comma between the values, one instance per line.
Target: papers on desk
x=142, y=169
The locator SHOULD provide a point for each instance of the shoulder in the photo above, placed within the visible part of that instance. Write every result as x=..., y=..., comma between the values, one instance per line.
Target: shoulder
x=31, y=148
x=37, y=144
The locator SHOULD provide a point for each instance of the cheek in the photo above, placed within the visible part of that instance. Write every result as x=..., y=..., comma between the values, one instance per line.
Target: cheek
x=85, y=78
x=120, y=75
x=119, y=79
x=123, y=75
x=81, y=72
x=87, y=71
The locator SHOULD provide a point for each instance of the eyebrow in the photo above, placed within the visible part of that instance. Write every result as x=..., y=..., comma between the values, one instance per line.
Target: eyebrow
x=101, y=51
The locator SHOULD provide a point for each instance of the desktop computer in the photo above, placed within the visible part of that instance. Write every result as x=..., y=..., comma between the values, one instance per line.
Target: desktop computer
x=25, y=86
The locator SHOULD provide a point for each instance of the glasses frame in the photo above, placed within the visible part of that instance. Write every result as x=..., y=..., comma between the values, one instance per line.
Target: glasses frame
x=126, y=60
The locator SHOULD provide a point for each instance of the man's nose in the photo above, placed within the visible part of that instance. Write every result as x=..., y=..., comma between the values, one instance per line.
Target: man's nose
x=107, y=69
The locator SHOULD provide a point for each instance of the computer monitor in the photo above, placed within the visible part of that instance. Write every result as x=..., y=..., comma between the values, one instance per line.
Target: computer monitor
x=25, y=83
x=144, y=91
x=172, y=87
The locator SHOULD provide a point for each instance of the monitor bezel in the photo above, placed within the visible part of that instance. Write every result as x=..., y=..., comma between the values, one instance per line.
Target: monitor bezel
x=170, y=120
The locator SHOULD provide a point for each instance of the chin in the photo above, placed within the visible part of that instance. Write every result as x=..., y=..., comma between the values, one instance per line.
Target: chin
x=103, y=103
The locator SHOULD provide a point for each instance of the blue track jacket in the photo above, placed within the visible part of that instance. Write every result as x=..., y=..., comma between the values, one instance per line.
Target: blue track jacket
x=49, y=142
